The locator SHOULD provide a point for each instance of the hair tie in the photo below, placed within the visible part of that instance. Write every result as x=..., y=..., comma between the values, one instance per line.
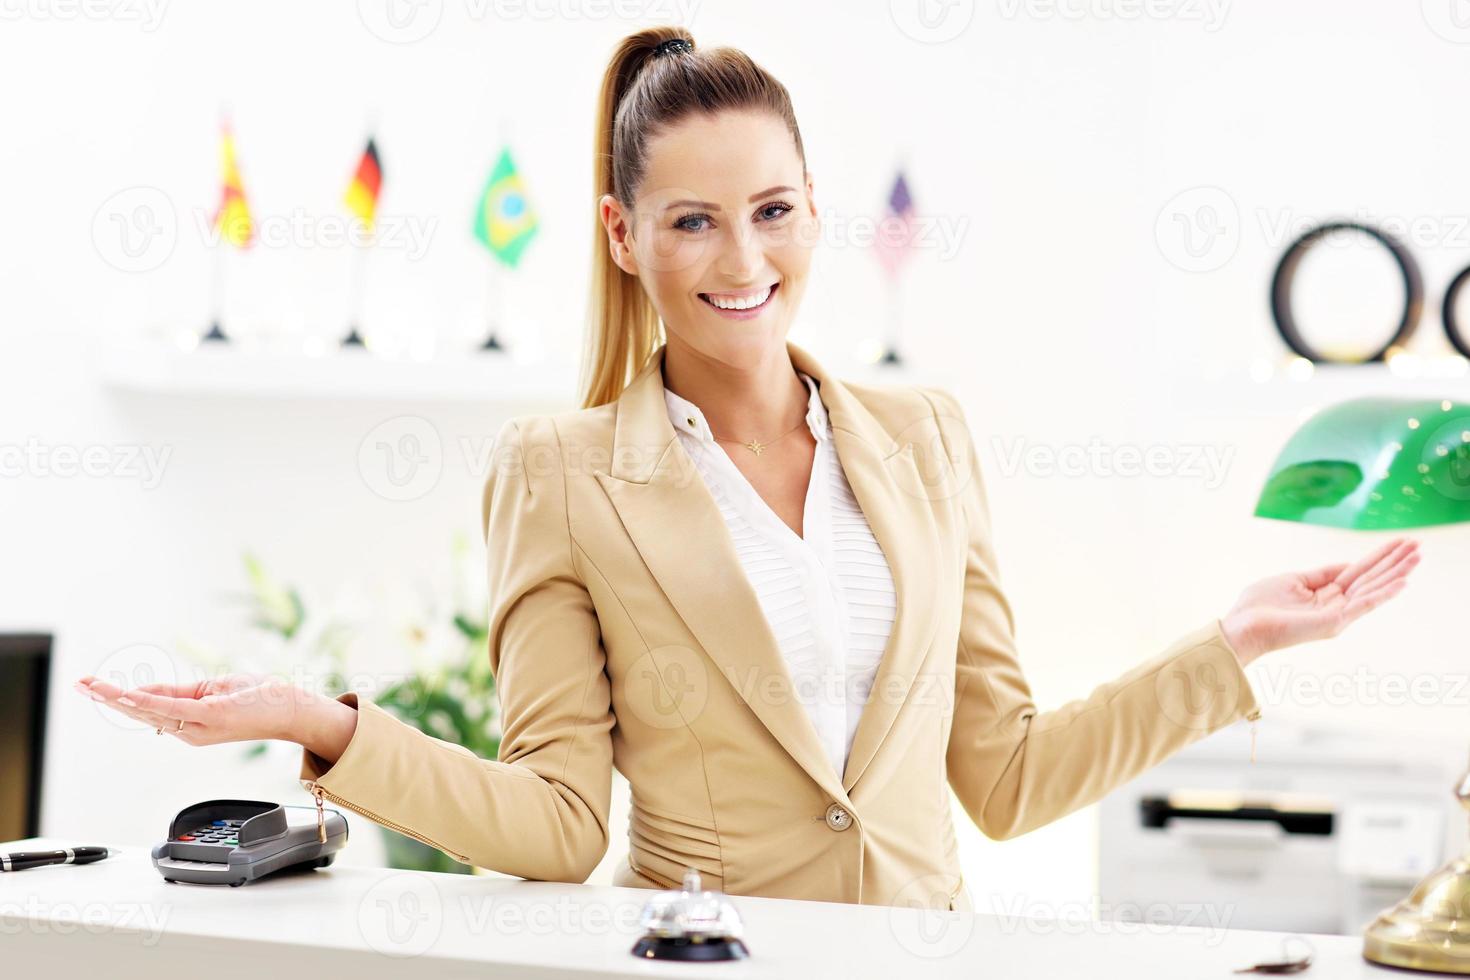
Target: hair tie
x=671, y=45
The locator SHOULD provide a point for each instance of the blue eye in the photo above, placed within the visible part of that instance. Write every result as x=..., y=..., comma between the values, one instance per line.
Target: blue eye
x=780, y=207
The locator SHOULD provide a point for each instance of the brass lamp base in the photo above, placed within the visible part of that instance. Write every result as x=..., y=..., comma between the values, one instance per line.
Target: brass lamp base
x=1429, y=930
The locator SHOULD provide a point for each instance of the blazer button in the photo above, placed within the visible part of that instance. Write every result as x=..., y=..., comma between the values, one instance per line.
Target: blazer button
x=838, y=818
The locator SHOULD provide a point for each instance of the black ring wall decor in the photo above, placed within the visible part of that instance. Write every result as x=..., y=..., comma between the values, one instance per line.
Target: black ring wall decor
x=1452, y=329
x=1285, y=274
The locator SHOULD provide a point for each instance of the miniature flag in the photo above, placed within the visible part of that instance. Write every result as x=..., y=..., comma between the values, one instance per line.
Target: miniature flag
x=504, y=221
x=362, y=193
x=232, y=219
x=894, y=241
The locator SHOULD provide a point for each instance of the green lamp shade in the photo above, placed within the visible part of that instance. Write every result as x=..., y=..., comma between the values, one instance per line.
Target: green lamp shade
x=1375, y=464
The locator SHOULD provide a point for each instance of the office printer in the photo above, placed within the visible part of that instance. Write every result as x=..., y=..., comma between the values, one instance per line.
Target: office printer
x=1321, y=832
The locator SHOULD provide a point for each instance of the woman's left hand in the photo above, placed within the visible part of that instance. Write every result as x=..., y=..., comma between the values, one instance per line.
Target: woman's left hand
x=1297, y=607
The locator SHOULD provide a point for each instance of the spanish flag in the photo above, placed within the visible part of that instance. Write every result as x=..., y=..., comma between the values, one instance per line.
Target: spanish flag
x=504, y=221
x=233, y=217
x=362, y=193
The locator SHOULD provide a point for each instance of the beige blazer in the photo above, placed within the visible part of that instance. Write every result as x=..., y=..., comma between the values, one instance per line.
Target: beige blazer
x=624, y=633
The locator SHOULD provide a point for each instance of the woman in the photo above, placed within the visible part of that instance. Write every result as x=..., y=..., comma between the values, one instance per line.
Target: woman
x=769, y=597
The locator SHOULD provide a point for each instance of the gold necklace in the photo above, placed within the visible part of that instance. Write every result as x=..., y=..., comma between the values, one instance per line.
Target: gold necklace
x=758, y=447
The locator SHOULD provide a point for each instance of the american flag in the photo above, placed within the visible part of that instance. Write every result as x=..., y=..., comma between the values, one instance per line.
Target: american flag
x=893, y=242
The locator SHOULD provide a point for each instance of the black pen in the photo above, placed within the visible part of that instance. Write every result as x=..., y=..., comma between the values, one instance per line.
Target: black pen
x=21, y=860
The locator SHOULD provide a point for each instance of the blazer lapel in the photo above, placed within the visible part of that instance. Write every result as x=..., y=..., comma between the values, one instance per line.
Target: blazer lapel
x=882, y=469
x=676, y=526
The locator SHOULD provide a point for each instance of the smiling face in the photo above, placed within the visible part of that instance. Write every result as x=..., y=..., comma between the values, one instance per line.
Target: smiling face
x=721, y=234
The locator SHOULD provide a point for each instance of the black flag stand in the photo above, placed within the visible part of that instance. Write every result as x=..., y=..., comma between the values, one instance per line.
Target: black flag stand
x=216, y=333
x=496, y=281
x=359, y=268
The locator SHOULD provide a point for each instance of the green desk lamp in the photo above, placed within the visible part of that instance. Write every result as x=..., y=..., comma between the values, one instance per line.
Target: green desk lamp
x=1388, y=464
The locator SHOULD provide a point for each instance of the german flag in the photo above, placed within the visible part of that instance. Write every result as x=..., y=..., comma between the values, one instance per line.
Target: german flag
x=233, y=217
x=362, y=193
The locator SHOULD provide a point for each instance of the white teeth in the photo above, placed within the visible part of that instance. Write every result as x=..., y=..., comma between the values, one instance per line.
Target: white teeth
x=740, y=304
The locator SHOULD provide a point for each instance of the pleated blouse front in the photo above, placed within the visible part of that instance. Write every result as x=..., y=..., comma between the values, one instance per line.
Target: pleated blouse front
x=828, y=595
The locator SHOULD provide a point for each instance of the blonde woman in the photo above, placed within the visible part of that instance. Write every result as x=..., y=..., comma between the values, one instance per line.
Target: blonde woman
x=769, y=597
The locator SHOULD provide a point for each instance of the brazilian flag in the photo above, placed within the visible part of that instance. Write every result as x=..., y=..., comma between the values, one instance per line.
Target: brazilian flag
x=504, y=221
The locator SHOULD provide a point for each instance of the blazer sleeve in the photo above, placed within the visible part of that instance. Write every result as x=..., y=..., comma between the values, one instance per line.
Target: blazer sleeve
x=1015, y=768
x=541, y=810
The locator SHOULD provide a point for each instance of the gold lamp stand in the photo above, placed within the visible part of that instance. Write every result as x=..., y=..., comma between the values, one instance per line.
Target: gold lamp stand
x=1429, y=930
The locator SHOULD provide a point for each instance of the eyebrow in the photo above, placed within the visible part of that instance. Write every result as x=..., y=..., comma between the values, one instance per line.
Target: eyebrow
x=710, y=205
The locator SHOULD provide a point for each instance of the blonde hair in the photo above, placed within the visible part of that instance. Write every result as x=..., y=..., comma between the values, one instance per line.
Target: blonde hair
x=644, y=93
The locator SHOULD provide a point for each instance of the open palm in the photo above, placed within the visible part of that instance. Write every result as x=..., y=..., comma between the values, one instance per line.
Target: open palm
x=232, y=708
x=1297, y=607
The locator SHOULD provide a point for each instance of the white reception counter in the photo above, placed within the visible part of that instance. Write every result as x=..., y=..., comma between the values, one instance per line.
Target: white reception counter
x=118, y=918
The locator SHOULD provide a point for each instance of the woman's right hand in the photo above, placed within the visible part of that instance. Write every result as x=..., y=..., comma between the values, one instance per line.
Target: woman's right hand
x=231, y=708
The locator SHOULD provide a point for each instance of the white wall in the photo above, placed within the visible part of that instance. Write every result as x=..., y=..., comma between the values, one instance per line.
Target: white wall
x=1055, y=142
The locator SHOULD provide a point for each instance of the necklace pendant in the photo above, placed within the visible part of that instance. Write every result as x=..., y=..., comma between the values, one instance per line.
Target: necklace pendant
x=755, y=447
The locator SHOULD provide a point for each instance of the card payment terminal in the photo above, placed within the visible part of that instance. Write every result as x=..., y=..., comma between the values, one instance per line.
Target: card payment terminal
x=230, y=842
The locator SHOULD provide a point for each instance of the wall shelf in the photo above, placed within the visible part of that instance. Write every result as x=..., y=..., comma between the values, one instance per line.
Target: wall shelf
x=476, y=376
x=1282, y=394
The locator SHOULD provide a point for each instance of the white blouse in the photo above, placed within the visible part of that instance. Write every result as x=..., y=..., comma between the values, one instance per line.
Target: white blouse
x=828, y=596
